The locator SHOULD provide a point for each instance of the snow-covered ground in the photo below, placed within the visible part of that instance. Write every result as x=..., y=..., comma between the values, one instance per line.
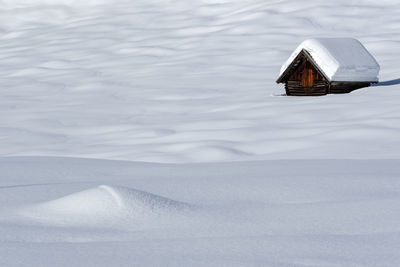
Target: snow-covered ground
x=188, y=81
x=236, y=174
x=74, y=212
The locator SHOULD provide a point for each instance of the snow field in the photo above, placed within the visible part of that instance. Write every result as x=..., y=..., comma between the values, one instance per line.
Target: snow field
x=187, y=81
x=258, y=179
x=317, y=212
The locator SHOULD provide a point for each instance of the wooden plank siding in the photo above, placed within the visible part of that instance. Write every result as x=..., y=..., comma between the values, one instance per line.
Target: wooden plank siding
x=306, y=80
x=346, y=87
x=296, y=88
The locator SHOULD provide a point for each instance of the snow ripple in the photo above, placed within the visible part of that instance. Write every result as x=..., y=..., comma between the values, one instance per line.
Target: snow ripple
x=187, y=81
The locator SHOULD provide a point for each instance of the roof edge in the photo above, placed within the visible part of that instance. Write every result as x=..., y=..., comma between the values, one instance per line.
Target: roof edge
x=309, y=57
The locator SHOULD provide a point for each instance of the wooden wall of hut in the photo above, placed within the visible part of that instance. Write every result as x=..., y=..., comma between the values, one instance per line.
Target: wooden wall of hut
x=306, y=80
x=346, y=87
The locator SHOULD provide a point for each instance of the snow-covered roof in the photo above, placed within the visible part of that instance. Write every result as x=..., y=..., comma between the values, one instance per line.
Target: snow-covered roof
x=339, y=59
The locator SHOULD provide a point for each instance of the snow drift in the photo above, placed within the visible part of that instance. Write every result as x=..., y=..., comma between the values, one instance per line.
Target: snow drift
x=187, y=81
x=102, y=205
x=265, y=213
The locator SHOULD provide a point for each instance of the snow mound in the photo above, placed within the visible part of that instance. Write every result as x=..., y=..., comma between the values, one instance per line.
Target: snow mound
x=103, y=205
x=340, y=59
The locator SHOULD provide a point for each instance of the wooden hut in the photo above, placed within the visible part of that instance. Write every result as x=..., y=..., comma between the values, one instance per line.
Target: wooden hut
x=328, y=65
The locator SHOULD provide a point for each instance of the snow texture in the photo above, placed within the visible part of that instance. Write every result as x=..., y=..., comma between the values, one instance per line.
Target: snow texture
x=152, y=133
x=339, y=59
x=103, y=205
x=188, y=81
x=263, y=213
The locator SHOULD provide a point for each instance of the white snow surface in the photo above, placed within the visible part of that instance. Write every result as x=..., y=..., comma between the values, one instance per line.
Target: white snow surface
x=261, y=213
x=236, y=173
x=339, y=59
x=103, y=205
x=187, y=81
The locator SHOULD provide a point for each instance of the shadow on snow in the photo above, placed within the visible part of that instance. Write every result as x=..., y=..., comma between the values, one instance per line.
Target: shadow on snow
x=387, y=83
